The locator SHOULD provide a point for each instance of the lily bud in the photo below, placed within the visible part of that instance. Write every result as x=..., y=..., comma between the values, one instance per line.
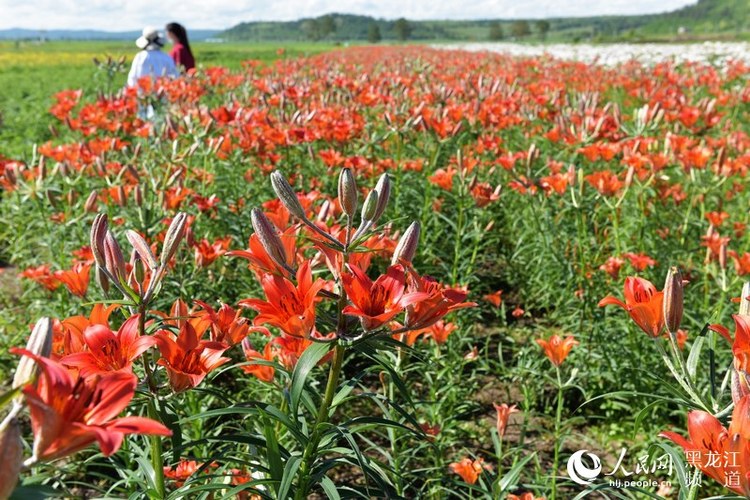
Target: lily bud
x=138, y=196
x=98, y=232
x=40, y=343
x=11, y=456
x=138, y=270
x=142, y=248
x=745, y=299
x=370, y=205
x=347, y=192
x=286, y=194
x=102, y=279
x=383, y=189
x=174, y=236
x=269, y=237
x=673, y=300
x=407, y=245
x=115, y=262
x=122, y=198
x=90, y=205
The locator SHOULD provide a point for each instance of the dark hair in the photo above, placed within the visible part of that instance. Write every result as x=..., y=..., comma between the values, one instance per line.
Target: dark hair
x=180, y=33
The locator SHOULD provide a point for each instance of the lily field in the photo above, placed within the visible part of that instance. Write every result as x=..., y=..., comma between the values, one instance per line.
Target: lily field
x=310, y=271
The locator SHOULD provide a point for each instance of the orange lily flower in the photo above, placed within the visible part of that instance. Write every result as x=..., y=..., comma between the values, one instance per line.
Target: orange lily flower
x=707, y=438
x=258, y=258
x=43, y=276
x=375, y=303
x=639, y=261
x=557, y=349
x=289, y=349
x=288, y=307
x=182, y=472
x=644, y=304
x=468, y=469
x=428, y=301
x=495, y=298
x=206, y=252
x=68, y=334
x=69, y=413
x=227, y=324
x=263, y=372
x=109, y=351
x=440, y=331
x=75, y=279
x=503, y=414
x=187, y=358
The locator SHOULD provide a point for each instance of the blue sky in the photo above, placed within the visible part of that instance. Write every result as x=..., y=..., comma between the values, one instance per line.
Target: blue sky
x=121, y=15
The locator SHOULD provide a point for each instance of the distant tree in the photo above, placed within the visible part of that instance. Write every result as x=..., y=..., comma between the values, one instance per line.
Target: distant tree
x=311, y=29
x=326, y=25
x=496, y=31
x=520, y=29
x=542, y=27
x=402, y=28
x=373, y=33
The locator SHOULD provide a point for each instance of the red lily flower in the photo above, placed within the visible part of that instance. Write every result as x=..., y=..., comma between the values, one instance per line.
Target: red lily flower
x=644, y=304
x=708, y=438
x=503, y=414
x=69, y=413
x=109, y=351
x=440, y=331
x=639, y=261
x=258, y=258
x=43, y=276
x=288, y=307
x=263, y=372
x=227, y=324
x=468, y=469
x=557, y=349
x=75, y=279
x=429, y=301
x=375, y=303
x=187, y=358
x=494, y=298
x=68, y=334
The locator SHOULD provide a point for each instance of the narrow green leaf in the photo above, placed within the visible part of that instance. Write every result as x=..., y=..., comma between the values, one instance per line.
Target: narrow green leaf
x=307, y=361
x=694, y=357
x=290, y=471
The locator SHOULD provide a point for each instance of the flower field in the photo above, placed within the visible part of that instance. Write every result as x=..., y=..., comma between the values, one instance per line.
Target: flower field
x=381, y=272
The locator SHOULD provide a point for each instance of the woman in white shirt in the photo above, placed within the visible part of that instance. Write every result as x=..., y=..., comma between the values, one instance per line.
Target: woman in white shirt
x=151, y=61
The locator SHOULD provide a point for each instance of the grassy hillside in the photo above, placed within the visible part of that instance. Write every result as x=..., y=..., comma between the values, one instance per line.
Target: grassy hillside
x=706, y=18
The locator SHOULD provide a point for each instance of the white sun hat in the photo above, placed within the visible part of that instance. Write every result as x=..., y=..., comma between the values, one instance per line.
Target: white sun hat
x=150, y=35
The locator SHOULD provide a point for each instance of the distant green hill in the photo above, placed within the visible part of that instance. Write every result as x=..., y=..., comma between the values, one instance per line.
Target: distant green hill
x=705, y=19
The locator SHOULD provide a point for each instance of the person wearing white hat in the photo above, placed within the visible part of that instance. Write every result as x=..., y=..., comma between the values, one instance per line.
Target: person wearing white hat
x=151, y=61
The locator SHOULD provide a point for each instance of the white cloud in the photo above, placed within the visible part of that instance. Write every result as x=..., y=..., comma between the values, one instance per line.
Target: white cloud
x=123, y=15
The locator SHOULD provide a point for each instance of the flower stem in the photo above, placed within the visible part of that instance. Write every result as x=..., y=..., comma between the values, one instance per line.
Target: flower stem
x=309, y=455
x=157, y=460
x=558, y=422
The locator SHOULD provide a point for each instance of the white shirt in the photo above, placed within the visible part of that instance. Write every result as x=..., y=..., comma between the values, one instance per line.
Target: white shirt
x=153, y=63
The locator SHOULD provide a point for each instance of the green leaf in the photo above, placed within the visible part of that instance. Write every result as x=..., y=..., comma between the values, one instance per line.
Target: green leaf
x=8, y=396
x=510, y=477
x=330, y=489
x=307, y=361
x=694, y=357
x=290, y=471
x=275, y=464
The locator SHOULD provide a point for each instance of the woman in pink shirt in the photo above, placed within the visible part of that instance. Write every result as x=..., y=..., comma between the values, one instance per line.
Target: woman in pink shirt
x=181, y=52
